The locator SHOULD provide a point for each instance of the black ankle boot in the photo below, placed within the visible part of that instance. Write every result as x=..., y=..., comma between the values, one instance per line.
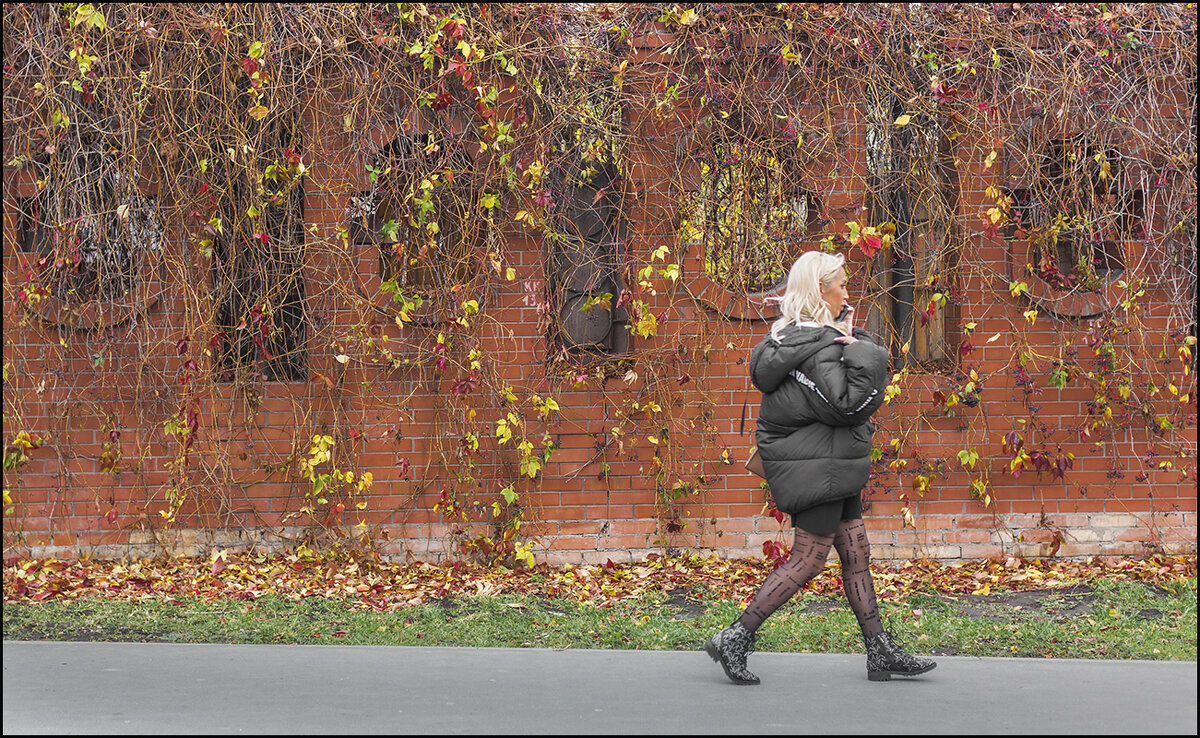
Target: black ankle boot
x=885, y=659
x=730, y=648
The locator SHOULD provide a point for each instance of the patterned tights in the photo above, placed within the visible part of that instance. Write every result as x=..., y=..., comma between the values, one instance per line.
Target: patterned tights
x=808, y=558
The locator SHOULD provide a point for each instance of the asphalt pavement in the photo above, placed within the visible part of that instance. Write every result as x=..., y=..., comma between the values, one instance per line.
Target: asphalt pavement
x=141, y=688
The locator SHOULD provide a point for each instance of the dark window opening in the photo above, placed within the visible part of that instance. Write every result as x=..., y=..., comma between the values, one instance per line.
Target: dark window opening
x=583, y=194
x=1087, y=264
x=88, y=228
x=421, y=216
x=258, y=266
x=748, y=219
x=915, y=190
x=1077, y=216
x=585, y=261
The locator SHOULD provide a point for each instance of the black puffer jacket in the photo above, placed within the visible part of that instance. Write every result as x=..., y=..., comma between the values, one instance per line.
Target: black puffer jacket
x=813, y=432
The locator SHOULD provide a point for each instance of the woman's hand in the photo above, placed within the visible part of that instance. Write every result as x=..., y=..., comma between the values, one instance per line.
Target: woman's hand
x=849, y=321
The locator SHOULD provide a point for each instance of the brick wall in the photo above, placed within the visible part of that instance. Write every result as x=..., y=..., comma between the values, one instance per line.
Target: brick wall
x=395, y=423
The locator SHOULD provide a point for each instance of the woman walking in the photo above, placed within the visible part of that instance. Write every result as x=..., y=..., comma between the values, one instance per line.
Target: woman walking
x=821, y=380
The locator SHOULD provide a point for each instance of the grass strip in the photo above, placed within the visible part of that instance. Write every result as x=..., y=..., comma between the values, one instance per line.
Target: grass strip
x=1105, y=619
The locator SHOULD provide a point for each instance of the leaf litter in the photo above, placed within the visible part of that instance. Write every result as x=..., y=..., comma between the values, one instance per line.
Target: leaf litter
x=366, y=583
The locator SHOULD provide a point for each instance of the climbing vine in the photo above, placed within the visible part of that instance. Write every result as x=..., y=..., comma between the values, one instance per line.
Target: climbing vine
x=336, y=206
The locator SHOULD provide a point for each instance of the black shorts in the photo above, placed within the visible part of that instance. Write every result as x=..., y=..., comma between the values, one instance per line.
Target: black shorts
x=823, y=520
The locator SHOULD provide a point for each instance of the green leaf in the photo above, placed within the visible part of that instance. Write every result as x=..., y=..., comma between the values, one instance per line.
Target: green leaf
x=968, y=457
x=87, y=13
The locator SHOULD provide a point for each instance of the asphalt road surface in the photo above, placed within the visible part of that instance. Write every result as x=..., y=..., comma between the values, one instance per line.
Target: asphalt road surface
x=141, y=688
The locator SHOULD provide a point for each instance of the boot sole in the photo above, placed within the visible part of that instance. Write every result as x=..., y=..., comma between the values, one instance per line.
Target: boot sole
x=885, y=676
x=711, y=649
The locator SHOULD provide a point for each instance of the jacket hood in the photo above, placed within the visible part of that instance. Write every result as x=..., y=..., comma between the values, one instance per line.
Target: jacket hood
x=772, y=361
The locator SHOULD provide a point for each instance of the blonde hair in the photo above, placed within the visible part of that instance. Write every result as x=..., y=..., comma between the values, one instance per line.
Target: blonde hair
x=801, y=301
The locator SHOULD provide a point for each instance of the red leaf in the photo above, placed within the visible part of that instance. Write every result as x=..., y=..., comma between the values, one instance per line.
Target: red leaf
x=464, y=386
x=870, y=244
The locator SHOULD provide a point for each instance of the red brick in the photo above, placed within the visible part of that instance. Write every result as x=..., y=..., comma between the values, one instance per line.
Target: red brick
x=973, y=536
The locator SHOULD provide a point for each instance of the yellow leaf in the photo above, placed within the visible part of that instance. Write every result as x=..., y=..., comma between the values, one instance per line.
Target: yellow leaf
x=903, y=120
x=258, y=112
